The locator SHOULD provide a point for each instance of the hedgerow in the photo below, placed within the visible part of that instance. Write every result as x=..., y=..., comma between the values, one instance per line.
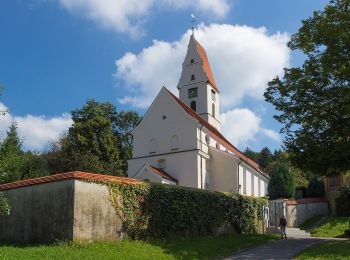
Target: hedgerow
x=156, y=210
x=342, y=202
x=4, y=205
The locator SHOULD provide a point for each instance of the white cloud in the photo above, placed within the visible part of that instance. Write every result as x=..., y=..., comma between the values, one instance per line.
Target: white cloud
x=243, y=60
x=36, y=131
x=129, y=15
x=242, y=126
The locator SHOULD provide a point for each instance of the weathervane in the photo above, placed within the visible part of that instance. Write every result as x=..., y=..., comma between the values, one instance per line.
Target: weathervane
x=192, y=16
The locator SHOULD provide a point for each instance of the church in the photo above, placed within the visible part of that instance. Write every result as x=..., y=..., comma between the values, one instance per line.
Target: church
x=179, y=140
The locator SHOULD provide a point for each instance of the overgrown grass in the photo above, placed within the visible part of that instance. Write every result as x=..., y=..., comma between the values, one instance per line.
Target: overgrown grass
x=328, y=250
x=188, y=248
x=309, y=224
x=331, y=227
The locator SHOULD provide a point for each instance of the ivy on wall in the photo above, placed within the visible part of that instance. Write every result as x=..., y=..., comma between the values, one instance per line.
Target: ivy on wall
x=156, y=210
x=4, y=205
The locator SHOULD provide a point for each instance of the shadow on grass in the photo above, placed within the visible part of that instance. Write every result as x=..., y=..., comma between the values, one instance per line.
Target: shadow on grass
x=328, y=250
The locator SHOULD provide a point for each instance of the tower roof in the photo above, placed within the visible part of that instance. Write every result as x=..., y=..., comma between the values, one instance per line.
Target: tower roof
x=205, y=62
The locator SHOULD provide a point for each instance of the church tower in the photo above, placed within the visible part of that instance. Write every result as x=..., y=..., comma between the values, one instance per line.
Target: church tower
x=197, y=87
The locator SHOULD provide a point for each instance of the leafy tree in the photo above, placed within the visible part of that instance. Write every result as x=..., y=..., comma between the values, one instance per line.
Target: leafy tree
x=91, y=144
x=315, y=188
x=4, y=205
x=251, y=154
x=124, y=123
x=12, y=160
x=314, y=99
x=282, y=183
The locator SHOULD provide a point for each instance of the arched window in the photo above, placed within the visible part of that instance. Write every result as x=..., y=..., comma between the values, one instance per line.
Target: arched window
x=217, y=146
x=194, y=105
x=193, y=77
x=213, y=109
x=174, y=142
x=161, y=163
x=192, y=60
x=207, y=139
x=152, y=146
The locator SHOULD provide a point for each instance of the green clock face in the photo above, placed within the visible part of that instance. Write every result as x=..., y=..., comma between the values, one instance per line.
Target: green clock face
x=192, y=92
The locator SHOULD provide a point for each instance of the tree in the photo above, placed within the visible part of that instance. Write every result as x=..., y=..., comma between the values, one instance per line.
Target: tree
x=91, y=144
x=12, y=160
x=315, y=188
x=265, y=157
x=124, y=123
x=314, y=99
x=282, y=183
x=251, y=154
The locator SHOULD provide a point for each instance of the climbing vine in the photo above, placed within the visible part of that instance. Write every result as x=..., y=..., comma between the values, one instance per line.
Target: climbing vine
x=155, y=210
x=4, y=205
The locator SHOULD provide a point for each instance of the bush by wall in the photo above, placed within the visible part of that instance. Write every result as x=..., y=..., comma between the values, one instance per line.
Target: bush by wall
x=315, y=188
x=342, y=202
x=4, y=205
x=155, y=210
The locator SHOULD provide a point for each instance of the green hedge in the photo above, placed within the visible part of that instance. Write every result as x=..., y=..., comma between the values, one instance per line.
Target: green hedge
x=4, y=205
x=156, y=210
x=342, y=202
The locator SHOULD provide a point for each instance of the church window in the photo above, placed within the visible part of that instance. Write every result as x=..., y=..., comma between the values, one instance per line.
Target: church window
x=213, y=95
x=192, y=92
x=207, y=139
x=192, y=60
x=174, y=142
x=193, y=77
x=193, y=105
x=164, y=117
x=217, y=146
x=213, y=109
x=161, y=163
x=152, y=146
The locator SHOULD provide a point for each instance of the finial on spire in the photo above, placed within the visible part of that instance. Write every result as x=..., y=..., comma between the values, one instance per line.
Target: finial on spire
x=192, y=16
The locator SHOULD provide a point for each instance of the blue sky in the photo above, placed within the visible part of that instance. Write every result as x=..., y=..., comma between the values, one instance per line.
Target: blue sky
x=56, y=54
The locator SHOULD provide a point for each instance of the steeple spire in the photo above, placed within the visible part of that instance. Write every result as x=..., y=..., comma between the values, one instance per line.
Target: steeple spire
x=192, y=16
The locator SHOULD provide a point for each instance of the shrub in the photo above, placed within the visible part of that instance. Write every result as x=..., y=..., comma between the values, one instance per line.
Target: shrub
x=315, y=188
x=342, y=202
x=156, y=210
x=282, y=183
x=4, y=205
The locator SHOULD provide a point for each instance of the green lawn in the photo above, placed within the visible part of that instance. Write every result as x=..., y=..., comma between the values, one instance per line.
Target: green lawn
x=331, y=227
x=328, y=250
x=189, y=248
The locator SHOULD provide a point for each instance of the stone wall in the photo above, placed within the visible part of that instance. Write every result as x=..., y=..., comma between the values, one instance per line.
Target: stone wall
x=301, y=210
x=67, y=209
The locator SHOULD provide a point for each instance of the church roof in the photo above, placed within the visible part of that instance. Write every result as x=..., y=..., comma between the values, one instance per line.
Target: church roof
x=205, y=64
x=216, y=135
x=162, y=173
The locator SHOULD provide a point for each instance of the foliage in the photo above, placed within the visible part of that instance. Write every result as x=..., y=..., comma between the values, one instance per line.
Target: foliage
x=331, y=227
x=208, y=247
x=155, y=210
x=314, y=99
x=265, y=157
x=282, y=183
x=12, y=160
x=339, y=250
x=4, y=205
x=342, y=201
x=315, y=188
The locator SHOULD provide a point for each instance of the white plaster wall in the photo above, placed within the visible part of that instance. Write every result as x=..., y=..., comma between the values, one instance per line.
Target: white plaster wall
x=256, y=185
x=298, y=214
x=241, y=180
x=181, y=166
x=146, y=174
x=262, y=188
x=223, y=169
x=209, y=117
x=153, y=126
x=248, y=178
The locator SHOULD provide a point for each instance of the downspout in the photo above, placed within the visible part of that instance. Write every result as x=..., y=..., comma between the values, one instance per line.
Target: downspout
x=200, y=139
x=241, y=160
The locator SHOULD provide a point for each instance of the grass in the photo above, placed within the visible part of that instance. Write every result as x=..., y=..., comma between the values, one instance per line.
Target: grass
x=189, y=248
x=331, y=227
x=329, y=250
x=309, y=224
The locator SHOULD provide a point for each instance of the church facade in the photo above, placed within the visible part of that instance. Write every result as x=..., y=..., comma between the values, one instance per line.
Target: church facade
x=179, y=141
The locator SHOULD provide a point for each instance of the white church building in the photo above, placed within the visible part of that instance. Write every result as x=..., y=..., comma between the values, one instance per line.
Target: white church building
x=179, y=141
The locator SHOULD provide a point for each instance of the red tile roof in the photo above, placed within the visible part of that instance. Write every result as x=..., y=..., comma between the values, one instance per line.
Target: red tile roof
x=205, y=64
x=216, y=135
x=306, y=201
x=68, y=175
x=162, y=173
